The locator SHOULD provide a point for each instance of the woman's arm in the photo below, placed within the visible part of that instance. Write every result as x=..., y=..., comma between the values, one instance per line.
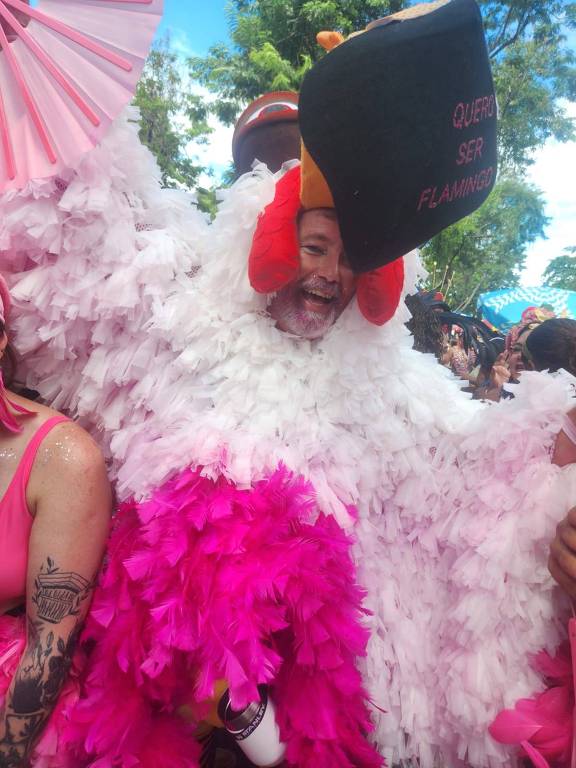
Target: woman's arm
x=71, y=496
x=562, y=560
x=565, y=447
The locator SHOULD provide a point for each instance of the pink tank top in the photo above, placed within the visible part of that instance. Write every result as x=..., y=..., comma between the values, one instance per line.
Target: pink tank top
x=16, y=520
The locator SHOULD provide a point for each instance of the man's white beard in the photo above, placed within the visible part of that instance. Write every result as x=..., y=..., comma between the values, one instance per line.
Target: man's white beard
x=294, y=319
x=305, y=324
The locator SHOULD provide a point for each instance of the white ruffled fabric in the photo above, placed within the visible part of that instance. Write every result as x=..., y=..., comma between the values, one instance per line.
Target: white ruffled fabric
x=465, y=597
x=90, y=256
x=137, y=317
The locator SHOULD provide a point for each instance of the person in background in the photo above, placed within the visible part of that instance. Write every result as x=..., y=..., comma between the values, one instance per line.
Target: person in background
x=459, y=359
x=267, y=131
x=531, y=318
x=492, y=372
x=551, y=346
x=548, y=345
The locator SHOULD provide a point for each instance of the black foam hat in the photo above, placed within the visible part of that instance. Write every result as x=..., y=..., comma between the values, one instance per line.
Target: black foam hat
x=400, y=121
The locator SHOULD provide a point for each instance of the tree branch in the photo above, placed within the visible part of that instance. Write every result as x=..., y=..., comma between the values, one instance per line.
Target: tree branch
x=449, y=285
x=522, y=24
x=504, y=27
x=465, y=304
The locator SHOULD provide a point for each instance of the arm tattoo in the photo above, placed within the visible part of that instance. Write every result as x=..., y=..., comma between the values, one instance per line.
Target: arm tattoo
x=46, y=662
x=57, y=594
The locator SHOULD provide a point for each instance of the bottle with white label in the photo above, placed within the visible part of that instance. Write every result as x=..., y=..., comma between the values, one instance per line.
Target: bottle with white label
x=254, y=729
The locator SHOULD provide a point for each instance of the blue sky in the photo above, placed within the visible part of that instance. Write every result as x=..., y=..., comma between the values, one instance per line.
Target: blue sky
x=195, y=25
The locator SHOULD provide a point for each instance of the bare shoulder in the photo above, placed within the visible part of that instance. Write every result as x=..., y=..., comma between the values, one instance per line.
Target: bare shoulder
x=68, y=447
x=70, y=466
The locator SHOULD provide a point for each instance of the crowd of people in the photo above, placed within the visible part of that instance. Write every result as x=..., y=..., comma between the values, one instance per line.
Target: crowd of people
x=538, y=342
x=324, y=551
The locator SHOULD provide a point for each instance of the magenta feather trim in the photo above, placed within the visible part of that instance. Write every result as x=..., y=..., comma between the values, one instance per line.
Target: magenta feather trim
x=543, y=726
x=204, y=582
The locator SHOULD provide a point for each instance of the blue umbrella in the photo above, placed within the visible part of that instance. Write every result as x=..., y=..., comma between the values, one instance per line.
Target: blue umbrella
x=504, y=308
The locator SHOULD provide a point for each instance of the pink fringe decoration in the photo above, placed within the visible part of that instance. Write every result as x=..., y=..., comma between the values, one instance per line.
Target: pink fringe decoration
x=7, y=418
x=543, y=726
x=205, y=582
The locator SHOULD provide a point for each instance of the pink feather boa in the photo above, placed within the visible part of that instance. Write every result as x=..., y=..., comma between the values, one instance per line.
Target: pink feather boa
x=204, y=582
x=543, y=726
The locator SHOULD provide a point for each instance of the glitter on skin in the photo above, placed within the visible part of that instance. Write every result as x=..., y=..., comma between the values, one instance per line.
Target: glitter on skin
x=60, y=448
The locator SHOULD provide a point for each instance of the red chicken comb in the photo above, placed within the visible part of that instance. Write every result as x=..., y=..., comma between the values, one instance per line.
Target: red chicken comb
x=379, y=292
x=274, y=257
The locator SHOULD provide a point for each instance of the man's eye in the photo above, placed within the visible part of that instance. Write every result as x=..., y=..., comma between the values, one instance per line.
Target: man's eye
x=316, y=250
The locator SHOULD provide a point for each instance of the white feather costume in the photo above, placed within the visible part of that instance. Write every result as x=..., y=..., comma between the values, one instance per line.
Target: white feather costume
x=137, y=316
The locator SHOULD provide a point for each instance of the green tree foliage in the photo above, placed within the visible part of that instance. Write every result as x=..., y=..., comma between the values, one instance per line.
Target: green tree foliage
x=273, y=45
x=482, y=252
x=561, y=272
x=172, y=116
x=533, y=68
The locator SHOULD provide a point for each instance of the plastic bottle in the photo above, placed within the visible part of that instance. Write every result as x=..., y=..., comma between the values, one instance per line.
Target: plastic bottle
x=255, y=729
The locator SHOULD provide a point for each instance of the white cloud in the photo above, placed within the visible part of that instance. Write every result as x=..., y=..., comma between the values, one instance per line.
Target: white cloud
x=180, y=43
x=216, y=153
x=553, y=173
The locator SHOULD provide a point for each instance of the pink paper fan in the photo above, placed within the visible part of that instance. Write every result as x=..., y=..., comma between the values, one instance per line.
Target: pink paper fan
x=64, y=77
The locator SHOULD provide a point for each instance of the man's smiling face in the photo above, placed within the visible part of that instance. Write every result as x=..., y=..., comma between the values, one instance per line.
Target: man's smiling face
x=325, y=285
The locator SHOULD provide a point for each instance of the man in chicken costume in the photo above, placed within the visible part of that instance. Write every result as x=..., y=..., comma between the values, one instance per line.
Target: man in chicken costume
x=274, y=447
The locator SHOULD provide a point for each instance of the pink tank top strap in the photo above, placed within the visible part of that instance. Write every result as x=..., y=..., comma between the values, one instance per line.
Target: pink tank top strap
x=16, y=521
x=22, y=475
